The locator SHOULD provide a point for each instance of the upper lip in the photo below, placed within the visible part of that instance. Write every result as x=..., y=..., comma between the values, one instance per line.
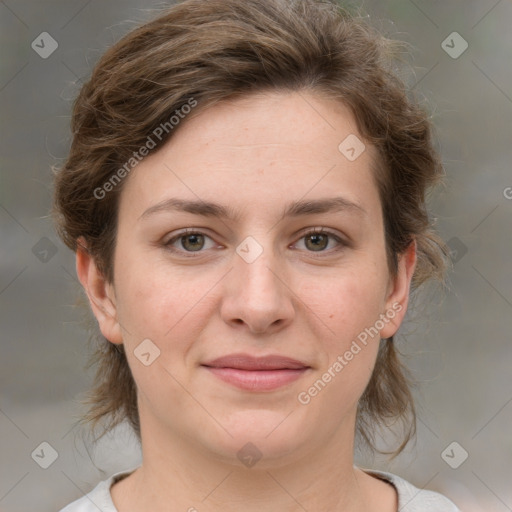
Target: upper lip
x=248, y=362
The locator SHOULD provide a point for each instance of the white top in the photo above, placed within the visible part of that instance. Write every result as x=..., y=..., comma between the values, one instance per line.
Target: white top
x=410, y=498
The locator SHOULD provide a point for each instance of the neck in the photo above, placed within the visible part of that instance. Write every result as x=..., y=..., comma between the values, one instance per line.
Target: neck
x=175, y=471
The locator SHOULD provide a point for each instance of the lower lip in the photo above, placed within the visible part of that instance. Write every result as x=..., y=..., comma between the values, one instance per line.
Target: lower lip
x=257, y=380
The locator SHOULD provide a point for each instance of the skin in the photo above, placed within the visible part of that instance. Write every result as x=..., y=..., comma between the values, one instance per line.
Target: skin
x=252, y=154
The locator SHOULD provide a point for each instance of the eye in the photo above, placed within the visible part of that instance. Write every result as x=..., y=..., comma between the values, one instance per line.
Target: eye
x=188, y=240
x=317, y=240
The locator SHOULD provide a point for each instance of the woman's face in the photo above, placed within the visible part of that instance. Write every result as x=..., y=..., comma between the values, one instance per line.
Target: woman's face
x=254, y=283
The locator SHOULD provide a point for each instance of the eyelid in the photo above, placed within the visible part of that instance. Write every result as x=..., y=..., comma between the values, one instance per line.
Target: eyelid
x=342, y=241
x=180, y=234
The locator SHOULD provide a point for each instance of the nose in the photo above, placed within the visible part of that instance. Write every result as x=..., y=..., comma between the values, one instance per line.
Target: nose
x=257, y=294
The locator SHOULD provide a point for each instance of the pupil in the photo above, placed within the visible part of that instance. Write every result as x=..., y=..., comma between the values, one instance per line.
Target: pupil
x=194, y=238
x=318, y=238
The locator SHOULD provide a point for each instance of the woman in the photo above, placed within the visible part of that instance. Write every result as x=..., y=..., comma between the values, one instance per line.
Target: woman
x=245, y=193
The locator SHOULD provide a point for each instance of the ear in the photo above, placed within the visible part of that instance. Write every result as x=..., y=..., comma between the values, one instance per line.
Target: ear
x=398, y=292
x=100, y=293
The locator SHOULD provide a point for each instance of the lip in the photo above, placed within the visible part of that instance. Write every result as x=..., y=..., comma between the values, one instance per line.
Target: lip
x=257, y=373
x=248, y=362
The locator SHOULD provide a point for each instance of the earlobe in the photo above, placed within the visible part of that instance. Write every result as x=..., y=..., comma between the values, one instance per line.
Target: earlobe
x=398, y=297
x=99, y=292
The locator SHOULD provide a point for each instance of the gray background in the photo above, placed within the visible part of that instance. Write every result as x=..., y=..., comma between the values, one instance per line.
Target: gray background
x=458, y=344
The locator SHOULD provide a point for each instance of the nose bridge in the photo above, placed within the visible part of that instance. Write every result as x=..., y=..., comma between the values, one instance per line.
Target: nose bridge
x=256, y=267
x=257, y=294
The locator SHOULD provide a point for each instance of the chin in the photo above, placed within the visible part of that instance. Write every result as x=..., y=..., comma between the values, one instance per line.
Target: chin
x=259, y=434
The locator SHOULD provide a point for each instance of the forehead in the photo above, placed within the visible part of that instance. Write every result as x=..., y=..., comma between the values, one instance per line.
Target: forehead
x=268, y=118
x=264, y=149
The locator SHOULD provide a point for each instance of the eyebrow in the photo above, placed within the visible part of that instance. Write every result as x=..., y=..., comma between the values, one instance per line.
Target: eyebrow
x=294, y=209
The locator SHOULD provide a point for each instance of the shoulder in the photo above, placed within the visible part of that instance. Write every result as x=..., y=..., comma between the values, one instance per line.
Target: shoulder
x=97, y=499
x=413, y=499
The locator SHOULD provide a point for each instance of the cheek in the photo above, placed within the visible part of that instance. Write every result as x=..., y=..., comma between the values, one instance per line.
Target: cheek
x=351, y=307
x=161, y=305
x=170, y=311
x=350, y=301
x=354, y=305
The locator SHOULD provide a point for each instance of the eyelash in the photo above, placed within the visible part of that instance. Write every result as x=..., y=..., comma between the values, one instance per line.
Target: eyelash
x=195, y=254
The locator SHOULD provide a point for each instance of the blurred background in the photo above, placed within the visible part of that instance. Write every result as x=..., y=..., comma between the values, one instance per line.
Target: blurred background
x=458, y=343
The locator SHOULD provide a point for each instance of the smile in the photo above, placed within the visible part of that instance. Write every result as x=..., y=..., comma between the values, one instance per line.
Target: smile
x=257, y=373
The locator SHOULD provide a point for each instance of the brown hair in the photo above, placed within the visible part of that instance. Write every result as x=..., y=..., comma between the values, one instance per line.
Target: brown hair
x=218, y=50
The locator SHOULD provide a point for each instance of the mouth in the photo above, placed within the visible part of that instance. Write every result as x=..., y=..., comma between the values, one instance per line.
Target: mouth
x=257, y=373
